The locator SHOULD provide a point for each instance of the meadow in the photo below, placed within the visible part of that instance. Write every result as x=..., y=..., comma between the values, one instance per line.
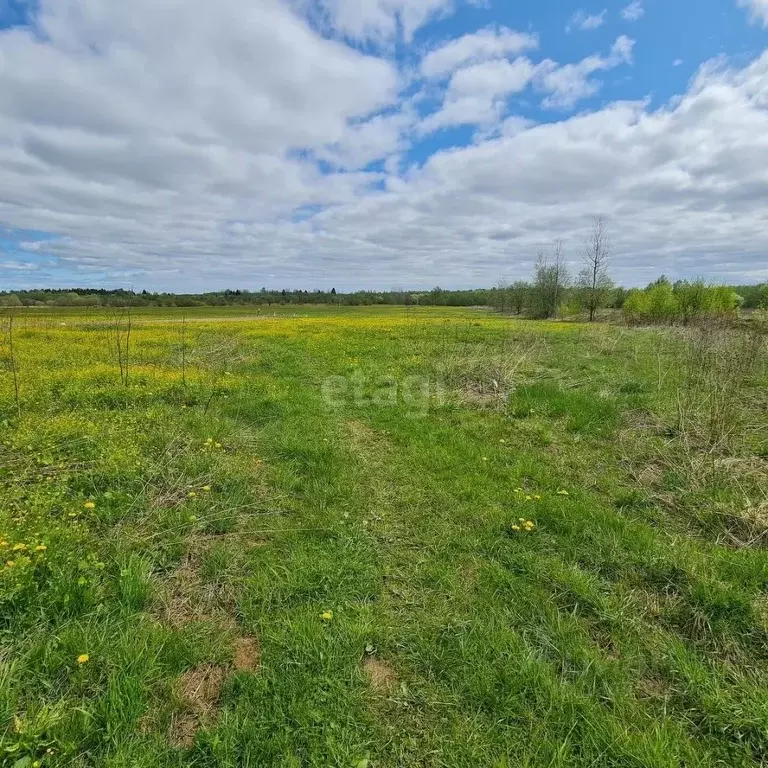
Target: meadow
x=380, y=536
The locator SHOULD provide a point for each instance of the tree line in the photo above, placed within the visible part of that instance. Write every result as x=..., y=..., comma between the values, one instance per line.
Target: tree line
x=552, y=292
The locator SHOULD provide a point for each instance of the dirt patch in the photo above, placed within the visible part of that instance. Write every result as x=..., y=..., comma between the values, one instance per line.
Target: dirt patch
x=247, y=654
x=183, y=597
x=183, y=730
x=200, y=690
x=382, y=676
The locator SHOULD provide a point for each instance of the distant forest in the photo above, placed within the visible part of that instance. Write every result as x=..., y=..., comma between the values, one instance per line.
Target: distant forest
x=516, y=298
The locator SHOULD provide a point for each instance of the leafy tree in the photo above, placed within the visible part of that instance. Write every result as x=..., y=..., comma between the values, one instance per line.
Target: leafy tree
x=551, y=280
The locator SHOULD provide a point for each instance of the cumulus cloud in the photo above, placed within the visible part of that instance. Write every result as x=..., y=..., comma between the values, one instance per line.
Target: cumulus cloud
x=584, y=22
x=570, y=83
x=486, y=44
x=758, y=10
x=252, y=150
x=476, y=94
x=634, y=11
x=379, y=19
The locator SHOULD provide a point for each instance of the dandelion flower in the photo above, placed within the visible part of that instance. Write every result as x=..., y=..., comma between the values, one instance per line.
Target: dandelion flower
x=206, y=487
x=209, y=440
x=515, y=527
x=537, y=497
x=10, y=563
x=19, y=547
x=217, y=445
x=90, y=505
x=502, y=441
x=40, y=548
x=326, y=615
x=3, y=543
x=83, y=658
x=191, y=494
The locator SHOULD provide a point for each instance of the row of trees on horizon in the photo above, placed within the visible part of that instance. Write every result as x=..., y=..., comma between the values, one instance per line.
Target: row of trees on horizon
x=552, y=292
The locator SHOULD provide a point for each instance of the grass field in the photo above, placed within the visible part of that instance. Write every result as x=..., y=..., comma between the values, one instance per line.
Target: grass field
x=380, y=537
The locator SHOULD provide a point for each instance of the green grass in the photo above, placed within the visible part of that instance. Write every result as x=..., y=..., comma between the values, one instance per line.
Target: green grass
x=370, y=546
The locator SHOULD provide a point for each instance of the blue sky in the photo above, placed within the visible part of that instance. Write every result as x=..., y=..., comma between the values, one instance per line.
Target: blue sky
x=374, y=143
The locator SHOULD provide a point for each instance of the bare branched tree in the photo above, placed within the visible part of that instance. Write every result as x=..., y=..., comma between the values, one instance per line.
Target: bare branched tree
x=594, y=279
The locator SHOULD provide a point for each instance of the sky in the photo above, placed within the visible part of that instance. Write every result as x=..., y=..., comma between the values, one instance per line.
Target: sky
x=187, y=145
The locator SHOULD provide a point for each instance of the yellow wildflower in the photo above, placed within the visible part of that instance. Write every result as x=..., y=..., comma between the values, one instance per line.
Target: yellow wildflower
x=19, y=547
x=515, y=527
x=206, y=487
x=527, y=498
x=3, y=543
x=90, y=505
x=537, y=497
x=326, y=615
x=191, y=494
x=10, y=563
x=518, y=490
x=502, y=441
x=217, y=445
x=83, y=658
x=40, y=548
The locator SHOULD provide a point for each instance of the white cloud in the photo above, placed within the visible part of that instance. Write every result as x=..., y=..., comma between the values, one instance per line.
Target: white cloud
x=758, y=10
x=480, y=46
x=378, y=19
x=476, y=94
x=583, y=21
x=569, y=83
x=191, y=166
x=634, y=11
x=677, y=62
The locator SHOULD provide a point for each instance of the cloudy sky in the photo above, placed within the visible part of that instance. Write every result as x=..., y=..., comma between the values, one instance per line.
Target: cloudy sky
x=197, y=145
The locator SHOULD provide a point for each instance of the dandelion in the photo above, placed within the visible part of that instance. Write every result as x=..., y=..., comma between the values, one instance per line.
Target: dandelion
x=529, y=525
x=3, y=543
x=217, y=445
x=537, y=497
x=326, y=615
x=209, y=441
x=41, y=548
x=10, y=563
x=518, y=490
x=191, y=494
x=19, y=547
x=502, y=441
x=206, y=487
x=515, y=527
x=90, y=505
x=83, y=658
